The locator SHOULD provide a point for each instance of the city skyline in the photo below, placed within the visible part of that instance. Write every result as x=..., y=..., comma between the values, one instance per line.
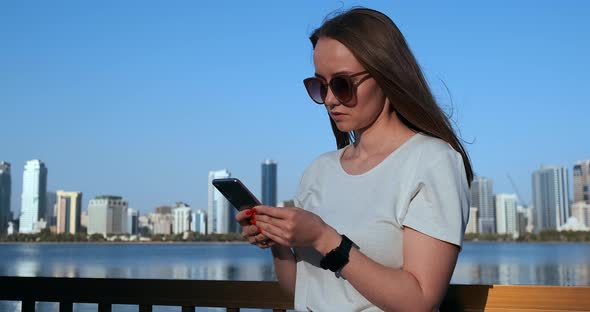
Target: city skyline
x=491, y=212
x=139, y=95
x=481, y=184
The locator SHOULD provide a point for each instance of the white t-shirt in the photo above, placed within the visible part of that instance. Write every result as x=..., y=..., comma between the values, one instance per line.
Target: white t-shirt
x=422, y=185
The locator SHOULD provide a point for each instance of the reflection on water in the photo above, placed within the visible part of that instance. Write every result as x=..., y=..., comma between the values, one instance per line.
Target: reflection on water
x=479, y=263
x=513, y=274
x=165, y=261
x=524, y=264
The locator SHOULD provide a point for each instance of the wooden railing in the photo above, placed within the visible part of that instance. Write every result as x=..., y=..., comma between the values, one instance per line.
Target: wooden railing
x=234, y=295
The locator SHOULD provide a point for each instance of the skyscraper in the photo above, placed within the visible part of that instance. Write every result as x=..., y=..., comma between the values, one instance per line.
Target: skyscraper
x=107, y=215
x=471, y=227
x=218, y=210
x=33, y=204
x=5, y=193
x=182, y=218
x=51, y=211
x=199, y=222
x=269, y=183
x=550, y=197
x=506, y=214
x=132, y=221
x=582, y=182
x=482, y=198
x=69, y=211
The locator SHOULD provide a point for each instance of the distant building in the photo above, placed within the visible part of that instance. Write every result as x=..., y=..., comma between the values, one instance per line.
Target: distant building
x=528, y=215
x=84, y=220
x=33, y=201
x=581, y=211
x=164, y=210
x=482, y=198
x=51, y=212
x=69, y=212
x=550, y=197
x=572, y=224
x=286, y=203
x=145, y=226
x=12, y=227
x=107, y=214
x=582, y=182
x=521, y=221
x=506, y=214
x=219, y=210
x=269, y=183
x=199, y=222
x=182, y=218
x=161, y=223
x=5, y=196
x=132, y=221
x=472, y=222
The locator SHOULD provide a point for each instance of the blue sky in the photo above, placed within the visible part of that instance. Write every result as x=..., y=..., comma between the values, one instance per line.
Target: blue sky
x=142, y=98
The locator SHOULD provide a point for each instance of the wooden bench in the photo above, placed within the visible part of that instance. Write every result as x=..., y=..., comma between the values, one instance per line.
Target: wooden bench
x=233, y=295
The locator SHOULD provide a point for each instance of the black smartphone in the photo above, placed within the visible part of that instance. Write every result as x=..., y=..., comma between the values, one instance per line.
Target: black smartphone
x=236, y=193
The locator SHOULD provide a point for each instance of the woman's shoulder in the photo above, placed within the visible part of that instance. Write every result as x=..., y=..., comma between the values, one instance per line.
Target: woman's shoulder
x=433, y=149
x=320, y=165
x=325, y=158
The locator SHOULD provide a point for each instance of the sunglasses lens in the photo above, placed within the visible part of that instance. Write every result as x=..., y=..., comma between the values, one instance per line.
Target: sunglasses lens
x=316, y=90
x=341, y=88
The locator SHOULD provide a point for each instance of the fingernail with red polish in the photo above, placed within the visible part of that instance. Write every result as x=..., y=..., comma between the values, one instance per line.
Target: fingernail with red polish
x=253, y=221
x=259, y=230
x=248, y=212
x=253, y=210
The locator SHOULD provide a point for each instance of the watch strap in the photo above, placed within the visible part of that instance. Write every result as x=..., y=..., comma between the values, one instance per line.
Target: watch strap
x=336, y=259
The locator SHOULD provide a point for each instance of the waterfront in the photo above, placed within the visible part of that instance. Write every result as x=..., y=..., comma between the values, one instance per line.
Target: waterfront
x=479, y=263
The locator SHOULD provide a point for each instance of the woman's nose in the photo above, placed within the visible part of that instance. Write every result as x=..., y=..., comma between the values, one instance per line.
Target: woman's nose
x=331, y=100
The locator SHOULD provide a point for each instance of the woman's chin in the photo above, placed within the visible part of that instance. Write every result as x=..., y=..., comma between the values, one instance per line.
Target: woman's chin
x=343, y=127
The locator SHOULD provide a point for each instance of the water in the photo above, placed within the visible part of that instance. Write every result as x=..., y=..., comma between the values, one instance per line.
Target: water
x=479, y=263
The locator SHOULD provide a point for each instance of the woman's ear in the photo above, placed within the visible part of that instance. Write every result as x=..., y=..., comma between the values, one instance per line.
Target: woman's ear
x=389, y=104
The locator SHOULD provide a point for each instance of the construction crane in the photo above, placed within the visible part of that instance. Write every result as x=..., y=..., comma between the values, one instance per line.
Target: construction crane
x=520, y=199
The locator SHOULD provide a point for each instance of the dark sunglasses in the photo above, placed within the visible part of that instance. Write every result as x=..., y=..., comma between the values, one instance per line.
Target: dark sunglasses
x=343, y=87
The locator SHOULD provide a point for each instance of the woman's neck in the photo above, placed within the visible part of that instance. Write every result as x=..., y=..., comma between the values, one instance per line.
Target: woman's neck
x=382, y=137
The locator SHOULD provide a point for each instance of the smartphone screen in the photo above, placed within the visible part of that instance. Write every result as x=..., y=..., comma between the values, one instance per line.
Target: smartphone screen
x=236, y=193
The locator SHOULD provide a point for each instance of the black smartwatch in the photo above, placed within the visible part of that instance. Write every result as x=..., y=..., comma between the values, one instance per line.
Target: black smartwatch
x=336, y=259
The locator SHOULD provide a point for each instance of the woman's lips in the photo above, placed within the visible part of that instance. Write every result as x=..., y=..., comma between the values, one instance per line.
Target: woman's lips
x=336, y=115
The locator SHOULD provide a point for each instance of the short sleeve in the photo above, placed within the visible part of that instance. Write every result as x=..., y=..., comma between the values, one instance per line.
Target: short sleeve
x=302, y=190
x=440, y=206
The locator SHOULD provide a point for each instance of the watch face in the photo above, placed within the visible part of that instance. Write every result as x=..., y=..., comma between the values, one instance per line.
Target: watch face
x=333, y=261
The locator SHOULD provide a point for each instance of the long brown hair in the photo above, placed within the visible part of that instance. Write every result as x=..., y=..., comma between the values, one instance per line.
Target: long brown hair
x=380, y=47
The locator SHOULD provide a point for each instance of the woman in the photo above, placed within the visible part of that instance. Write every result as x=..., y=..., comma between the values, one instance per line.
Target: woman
x=379, y=222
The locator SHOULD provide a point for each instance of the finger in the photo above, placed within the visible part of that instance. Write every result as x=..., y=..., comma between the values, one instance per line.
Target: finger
x=261, y=236
x=252, y=240
x=273, y=232
x=251, y=234
x=251, y=230
x=280, y=213
x=260, y=240
x=248, y=232
x=243, y=216
x=280, y=223
x=264, y=241
x=277, y=239
x=267, y=245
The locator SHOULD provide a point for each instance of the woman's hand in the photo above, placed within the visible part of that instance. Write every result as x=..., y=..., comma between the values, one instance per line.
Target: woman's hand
x=250, y=232
x=296, y=227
